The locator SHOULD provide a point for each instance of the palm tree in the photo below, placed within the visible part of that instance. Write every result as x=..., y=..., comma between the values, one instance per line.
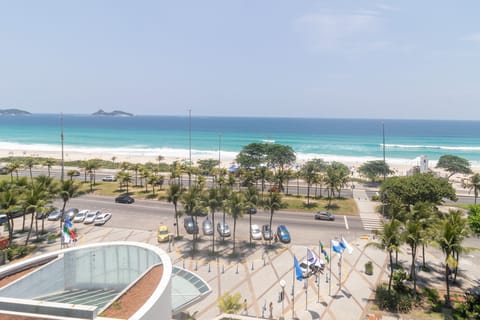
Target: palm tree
x=49, y=163
x=474, y=184
x=136, y=167
x=174, y=194
x=68, y=189
x=335, y=178
x=230, y=303
x=191, y=203
x=36, y=198
x=29, y=163
x=13, y=167
x=124, y=178
x=9, y=199
x=251, y=200
x=159, y=159
x=236, y=208
x=262, y=174
x=71, y=174
x=272, y=203
x=113, y=161
x=389, y=240
x=460, y=224
x=309, y=174
x=413, y=237
x=214, y=203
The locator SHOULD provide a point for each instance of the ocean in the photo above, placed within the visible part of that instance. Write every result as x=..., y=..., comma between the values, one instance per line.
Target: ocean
x=344, y=140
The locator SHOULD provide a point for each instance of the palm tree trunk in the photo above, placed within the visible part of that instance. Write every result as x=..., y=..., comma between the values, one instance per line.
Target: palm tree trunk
x=234, y=227
x=176, y=219
x=457, y=256
x=423, y=255
x=391, y=272
x=213, y=235
x=413, y=275
x=250, y=230
x=447, y=282
x=308, y=193
x=271, y=231
x=29, y=231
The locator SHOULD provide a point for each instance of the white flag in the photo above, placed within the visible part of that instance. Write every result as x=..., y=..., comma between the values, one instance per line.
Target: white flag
x=346, y=245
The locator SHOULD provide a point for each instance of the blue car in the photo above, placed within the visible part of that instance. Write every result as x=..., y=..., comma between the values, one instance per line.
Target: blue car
x=283, y=234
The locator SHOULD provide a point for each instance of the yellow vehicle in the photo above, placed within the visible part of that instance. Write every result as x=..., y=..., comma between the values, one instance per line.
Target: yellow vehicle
x=162, y=233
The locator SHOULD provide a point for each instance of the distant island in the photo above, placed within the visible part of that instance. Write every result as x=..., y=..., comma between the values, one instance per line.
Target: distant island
x=13, y=112
x=114, y=113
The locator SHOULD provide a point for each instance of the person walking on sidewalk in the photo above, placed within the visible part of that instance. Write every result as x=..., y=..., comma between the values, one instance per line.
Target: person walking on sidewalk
x=244, y=305
x=270, y=308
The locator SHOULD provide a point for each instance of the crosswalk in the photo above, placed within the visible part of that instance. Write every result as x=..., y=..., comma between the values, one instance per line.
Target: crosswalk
x=371, y=220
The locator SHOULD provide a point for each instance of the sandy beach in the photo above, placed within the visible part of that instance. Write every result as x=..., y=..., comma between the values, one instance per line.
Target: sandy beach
x=70, y=155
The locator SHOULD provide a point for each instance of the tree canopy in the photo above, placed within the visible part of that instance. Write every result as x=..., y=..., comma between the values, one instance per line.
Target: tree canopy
x=421, y=187
x=453, y=164
x=474, y=219
x=374, y=169
x=271, y=155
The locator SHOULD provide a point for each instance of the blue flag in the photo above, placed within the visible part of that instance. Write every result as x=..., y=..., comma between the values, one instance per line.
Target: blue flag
x=337, y=247
x=298, y=271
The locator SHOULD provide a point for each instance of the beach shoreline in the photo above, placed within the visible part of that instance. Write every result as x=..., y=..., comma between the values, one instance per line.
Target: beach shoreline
x=399, y=167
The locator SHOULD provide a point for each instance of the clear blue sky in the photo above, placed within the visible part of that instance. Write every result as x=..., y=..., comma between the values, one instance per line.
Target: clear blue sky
x=416, y=59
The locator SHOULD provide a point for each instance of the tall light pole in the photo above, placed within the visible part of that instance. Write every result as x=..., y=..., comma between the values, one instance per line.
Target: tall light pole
x=190, y=147
x=219, y=148
x=61, y=138
x=384, y=162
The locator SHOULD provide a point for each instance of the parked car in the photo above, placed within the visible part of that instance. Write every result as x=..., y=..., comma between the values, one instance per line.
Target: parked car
x=41, y=215
x=251, y=210
x=312, y=268
x=109, y=179
x=70, y=214
x=54, y=215
x=223, y=229
x=282, y=234
x=256, y=232
x=102, y=218
x=162, y=235
x=267, y=232
x=124, y=198
x=80, y=216
x=191, y=227
x=207, y=227
x=3, y=218
x=324, y=215
x=90, y=217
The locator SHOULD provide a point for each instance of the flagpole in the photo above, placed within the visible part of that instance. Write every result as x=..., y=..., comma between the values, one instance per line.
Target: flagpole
x=306, y=285
x=340, y=272
x=293, y=291
x=318, y=272
x=330, y=272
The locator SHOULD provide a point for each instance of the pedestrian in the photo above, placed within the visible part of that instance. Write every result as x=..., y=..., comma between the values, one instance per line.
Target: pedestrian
x=245, y=311
x=270, y=307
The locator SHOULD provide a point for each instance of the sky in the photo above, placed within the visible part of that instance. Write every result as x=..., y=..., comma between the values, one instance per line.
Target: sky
x=384, y=59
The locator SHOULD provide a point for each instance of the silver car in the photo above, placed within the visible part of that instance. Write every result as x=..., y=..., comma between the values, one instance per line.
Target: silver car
x=207, y=227
x=223, y=229
x=256, y=232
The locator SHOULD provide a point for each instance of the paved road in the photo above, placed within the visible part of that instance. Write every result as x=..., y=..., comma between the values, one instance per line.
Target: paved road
x=147, y=214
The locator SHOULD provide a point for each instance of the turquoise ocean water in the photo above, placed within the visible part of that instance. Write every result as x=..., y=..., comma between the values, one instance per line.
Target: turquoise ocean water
x=349, y=140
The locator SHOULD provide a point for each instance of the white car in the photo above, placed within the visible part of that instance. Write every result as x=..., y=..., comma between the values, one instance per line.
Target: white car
x=313, y=268
x=256, y=232
x=90, y=217
x=80, y=216
x=102, y=218
x=109, y=179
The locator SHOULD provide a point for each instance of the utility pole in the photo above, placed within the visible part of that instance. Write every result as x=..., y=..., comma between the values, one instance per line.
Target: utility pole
x=61, y=137
x=190, y=148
